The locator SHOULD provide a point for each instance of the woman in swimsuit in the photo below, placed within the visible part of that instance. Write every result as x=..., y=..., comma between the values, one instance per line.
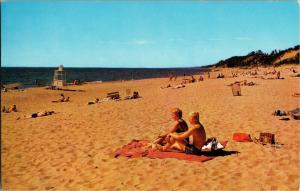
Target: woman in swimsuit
x=179, y=126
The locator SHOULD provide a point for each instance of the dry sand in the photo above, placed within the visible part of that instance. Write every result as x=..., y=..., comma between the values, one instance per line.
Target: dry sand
x=70, y=150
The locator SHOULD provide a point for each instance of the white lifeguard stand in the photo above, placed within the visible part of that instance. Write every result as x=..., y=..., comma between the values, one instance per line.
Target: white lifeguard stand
x=59, y=78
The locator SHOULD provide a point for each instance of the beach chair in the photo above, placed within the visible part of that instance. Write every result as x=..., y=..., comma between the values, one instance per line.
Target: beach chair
x=113, y=95
x=236, y=89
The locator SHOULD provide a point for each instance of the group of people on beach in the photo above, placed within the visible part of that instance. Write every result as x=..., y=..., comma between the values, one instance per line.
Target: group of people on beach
x=184, y=81
x=255, y=74
x=243, y=83
x=13, y=108
x=9, y=109
x=180, y=137
x=62, y=98
x=116, y=96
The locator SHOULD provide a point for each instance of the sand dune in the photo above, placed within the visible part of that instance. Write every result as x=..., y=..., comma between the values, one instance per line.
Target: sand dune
x=71, y=149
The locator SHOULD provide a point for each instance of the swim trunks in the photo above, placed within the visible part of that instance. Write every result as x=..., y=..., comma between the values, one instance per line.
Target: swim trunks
x=191, y=149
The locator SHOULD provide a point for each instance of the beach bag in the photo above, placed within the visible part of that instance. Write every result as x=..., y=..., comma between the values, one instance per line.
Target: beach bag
x=241, y=137
x=267, y=138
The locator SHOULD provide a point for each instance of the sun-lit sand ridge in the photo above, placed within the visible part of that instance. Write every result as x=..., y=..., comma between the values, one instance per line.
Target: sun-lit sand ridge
x=71, y=149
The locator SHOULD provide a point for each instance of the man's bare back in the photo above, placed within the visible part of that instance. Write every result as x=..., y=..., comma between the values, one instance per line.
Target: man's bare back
x=198, y=135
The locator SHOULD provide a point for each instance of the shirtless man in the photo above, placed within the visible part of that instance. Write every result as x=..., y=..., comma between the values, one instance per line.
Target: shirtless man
x=197, y=132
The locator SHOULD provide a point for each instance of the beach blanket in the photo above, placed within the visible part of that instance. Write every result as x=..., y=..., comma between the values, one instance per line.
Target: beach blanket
x=293, y=113
x=136, y=148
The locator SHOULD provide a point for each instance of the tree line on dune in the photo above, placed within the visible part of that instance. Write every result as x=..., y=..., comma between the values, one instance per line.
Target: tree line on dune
x=260, y=58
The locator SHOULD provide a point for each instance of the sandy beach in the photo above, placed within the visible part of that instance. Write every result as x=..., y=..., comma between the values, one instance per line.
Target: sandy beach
x=72, y=149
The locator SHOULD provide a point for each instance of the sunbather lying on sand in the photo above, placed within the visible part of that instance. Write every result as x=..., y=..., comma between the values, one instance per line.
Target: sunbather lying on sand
x=10, y=109
x=197, y=132
x=293, y=113
x=178, y=86
x=94, y=102
x=220, y=75
x=102, y=100
x=175, y=86
x=243, y=83
x=38, y=114
x=168, y=86
x=296, y=75
x=135, y=95
x=296, y=94
x=179, y=126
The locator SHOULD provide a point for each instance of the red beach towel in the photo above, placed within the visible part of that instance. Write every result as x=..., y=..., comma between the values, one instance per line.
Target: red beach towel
x=136, y=149
x=241, y=137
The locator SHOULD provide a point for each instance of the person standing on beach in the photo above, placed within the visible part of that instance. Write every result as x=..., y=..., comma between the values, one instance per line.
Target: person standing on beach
x=278, y=75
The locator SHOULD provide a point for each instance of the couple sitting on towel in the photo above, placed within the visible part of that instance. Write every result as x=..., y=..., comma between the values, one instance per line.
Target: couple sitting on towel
x=178, y=136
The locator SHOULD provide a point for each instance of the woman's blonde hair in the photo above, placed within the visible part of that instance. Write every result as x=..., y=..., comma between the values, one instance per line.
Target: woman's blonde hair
x=177, y=112
x=194, y=115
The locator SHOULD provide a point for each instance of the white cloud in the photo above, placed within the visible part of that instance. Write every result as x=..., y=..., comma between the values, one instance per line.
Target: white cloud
x=142, y=42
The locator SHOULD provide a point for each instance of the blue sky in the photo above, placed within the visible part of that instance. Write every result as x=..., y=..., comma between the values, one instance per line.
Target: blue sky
x=142, y=34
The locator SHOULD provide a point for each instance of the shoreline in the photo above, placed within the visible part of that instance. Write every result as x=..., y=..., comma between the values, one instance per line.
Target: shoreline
x=99, y=81
x=207, y=69
x=44, y=76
